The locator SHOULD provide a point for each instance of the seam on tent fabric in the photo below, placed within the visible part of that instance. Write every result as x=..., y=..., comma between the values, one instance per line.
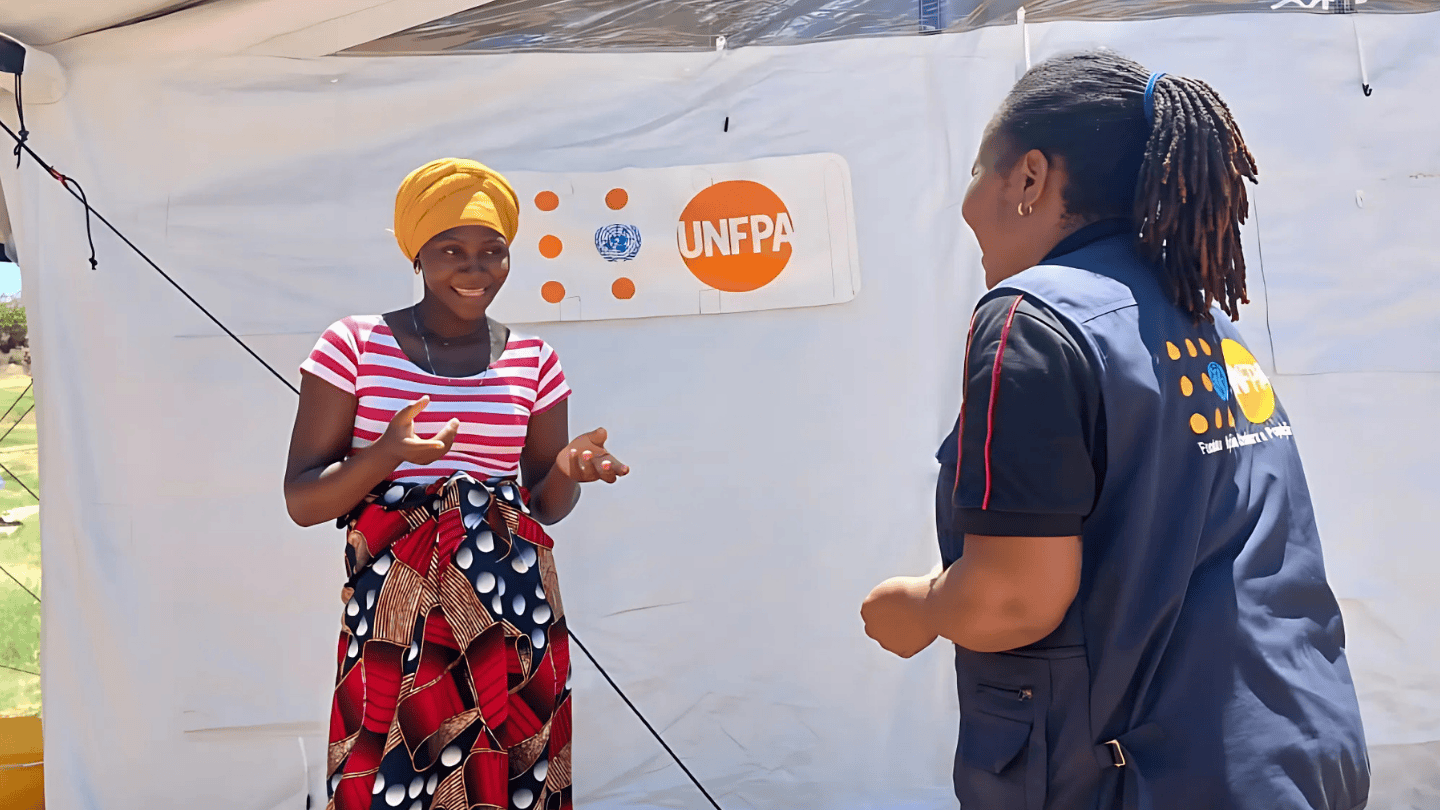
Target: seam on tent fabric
x=184, y=5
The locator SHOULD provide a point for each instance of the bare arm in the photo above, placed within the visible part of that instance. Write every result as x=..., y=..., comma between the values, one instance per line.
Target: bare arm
x=1020, y=570
x=321, y=484
x=557, y=469
x=1005, y=592
x=553, y=495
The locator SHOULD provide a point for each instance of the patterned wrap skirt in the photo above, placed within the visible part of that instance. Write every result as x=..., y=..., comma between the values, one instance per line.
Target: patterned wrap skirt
x=454, y=665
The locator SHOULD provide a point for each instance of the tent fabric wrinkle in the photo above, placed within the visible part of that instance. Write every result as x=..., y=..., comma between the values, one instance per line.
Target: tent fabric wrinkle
x=46, y=22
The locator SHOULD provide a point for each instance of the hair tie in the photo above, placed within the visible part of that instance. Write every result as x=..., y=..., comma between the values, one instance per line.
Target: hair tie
x=1150, y=96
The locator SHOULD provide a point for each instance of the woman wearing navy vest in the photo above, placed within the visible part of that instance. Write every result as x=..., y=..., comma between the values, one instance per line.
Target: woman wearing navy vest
x=1140, y=615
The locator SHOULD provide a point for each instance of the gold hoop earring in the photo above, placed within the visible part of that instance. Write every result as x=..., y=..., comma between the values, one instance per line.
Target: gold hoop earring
x=417, y=267
x=1020, y=209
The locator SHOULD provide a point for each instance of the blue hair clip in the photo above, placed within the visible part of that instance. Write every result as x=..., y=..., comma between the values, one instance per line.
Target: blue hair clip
x=1150, y=96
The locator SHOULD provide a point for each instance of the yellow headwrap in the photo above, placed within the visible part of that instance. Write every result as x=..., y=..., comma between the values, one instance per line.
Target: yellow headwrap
x=450, y=192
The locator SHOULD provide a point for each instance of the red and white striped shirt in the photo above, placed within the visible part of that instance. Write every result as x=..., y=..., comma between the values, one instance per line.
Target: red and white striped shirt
x=359, y=356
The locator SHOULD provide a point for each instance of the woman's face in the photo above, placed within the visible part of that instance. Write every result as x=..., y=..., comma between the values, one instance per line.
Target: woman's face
x=464, y=268
x=1009, y=241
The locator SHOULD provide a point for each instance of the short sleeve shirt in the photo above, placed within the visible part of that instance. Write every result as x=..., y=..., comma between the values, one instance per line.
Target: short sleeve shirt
x=1027, y=451
x=359, y=355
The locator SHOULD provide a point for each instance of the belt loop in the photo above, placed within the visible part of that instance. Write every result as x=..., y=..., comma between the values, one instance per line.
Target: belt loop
x=1117, y=753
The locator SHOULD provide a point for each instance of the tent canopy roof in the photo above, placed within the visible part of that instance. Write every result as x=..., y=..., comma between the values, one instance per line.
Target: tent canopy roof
x=439, y=26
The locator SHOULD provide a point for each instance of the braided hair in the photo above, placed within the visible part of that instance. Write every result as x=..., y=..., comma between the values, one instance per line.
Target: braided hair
x=1179, y=175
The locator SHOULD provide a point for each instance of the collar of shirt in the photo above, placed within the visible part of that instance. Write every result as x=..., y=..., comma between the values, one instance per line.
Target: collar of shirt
x=1093, y=232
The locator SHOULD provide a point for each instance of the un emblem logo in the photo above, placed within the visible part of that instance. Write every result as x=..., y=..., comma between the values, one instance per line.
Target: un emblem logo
x=618, y=243
x=1219, y=380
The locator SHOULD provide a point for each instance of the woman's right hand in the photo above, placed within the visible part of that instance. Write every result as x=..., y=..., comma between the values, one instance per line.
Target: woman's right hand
x=400, y=442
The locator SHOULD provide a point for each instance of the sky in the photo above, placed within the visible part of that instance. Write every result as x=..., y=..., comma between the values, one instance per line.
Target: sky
x=9, y=278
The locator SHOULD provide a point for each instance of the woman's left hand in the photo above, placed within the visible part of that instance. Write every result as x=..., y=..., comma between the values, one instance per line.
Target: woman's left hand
x=894, y=615
x=585, y=459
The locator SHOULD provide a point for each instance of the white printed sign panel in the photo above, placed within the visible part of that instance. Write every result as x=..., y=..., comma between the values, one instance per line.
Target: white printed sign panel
x=773, y=233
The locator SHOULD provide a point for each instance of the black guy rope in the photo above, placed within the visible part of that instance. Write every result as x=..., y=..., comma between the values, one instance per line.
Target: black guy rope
x=17, y=400
x=21, y=145
x=90, y=211
x=20, y=109
x=17, y=423
x=17, y=669
x=21, y=584
x=21, y=483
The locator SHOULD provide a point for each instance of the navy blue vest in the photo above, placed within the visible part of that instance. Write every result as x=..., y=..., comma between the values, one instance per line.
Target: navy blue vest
x=1202, y=665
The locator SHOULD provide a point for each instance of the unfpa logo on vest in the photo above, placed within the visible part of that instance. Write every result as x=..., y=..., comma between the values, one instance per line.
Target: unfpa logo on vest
x=1253, y=392
x=1340, y=5
x=1240, y=382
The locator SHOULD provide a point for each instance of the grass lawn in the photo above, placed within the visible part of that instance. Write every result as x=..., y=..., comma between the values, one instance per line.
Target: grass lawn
x=19, y=553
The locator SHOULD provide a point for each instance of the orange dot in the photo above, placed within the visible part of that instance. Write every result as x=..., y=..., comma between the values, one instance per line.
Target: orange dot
x=623, y=288
x=1172, y=350
x=617, y=198
x=553, y=291
x=1186, y=387
x=1205, y=378
x=1190, y=347
x=1219, y=422
x=550, y=246
x=547, y=201
x=1204, y=347
x=1198, y=423
x=1231, y=414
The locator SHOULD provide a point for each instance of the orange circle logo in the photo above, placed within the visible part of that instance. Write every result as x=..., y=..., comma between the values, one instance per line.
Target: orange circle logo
x=736, y=236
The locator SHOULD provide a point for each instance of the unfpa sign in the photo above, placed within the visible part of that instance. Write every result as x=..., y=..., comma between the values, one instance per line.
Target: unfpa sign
x=765, y=234
x=736, y=236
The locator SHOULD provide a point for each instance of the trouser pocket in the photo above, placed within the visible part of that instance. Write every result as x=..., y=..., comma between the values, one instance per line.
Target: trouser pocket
x=1002, y=755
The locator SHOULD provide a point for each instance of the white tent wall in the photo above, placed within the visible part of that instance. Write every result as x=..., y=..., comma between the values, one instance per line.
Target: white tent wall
x=782, y=459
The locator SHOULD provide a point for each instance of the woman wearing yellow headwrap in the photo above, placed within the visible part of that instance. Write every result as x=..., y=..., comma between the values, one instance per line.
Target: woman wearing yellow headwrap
x=415, y=430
